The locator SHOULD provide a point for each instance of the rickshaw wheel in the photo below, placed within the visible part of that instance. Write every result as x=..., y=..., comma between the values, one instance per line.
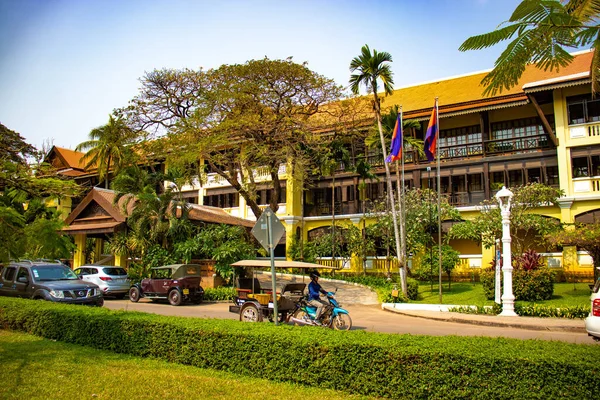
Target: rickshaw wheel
x=250, y=313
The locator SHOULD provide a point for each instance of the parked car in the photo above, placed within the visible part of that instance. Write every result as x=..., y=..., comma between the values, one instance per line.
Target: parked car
x=176, y=283
x=47, y=280
x=592, y=322
x=112, y=280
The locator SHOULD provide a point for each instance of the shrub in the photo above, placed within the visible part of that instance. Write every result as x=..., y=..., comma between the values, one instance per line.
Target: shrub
x=533, y=285
x=535, y=310
x=219, y=293
x=378, y=365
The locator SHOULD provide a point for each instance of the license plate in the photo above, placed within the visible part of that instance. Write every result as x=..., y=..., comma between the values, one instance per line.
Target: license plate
x=186, y=291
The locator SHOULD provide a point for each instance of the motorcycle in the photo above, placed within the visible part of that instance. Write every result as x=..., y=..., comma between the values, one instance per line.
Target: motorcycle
x=333, y=316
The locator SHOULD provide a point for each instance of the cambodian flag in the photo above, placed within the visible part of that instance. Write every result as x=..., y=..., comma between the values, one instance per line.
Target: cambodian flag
x=432, y=135
x=396, y=149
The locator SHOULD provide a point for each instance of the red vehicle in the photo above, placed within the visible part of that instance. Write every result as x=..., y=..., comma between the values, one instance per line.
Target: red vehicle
x=176, y=283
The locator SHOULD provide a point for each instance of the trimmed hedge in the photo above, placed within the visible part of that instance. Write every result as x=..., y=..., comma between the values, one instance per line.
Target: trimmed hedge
x=396, y=366
x=535, y=310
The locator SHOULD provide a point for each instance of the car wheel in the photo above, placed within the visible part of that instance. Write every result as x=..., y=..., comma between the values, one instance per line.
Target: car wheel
x=250, y=313
x=134, y=294
x=100, y=303
x=175, y=297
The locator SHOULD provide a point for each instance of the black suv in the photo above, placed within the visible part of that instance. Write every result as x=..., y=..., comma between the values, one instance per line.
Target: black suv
x=46, y=280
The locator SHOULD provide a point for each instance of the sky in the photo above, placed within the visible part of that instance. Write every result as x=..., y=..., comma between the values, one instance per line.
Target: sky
x=65, y=65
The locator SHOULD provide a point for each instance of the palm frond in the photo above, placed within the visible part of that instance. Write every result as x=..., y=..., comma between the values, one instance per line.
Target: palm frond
x=489, y=39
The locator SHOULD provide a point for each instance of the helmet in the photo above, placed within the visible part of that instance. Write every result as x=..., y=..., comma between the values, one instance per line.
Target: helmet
x=314, y=275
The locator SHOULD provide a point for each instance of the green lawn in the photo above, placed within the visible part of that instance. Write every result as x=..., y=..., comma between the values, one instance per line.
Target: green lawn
x=466, y=293
x=36, y=368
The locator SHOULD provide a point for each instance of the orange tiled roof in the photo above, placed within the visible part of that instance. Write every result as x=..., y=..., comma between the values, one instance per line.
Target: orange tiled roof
x=465, y=92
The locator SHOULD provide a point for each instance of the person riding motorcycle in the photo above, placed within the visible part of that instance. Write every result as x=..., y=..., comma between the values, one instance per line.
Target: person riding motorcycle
x=314, y=298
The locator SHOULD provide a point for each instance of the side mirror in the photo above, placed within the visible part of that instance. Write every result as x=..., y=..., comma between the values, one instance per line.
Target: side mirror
x=22, y=279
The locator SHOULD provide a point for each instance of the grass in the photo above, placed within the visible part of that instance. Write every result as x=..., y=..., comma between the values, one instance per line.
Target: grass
x=36, y=368
x=467, y=293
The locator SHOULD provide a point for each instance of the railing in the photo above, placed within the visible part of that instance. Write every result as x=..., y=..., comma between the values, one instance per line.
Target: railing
x=552, y=260
x=584, y=130
x=586, y=185
x=519, y=144
x=461, y=199
x=338, y=263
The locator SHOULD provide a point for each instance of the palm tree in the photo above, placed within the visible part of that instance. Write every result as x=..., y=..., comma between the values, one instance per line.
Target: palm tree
x=371, y=68
x=108, y=146
x=540, y=30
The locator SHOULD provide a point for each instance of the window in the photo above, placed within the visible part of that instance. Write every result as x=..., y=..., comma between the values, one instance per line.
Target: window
x=517, y=128
x=461, y=142
x=580, y=167
x=552, y=176
x=23, y=274
x=515, y=178
x=534, y=175
x=9, y=274
x=582, y=109
x=475, y=182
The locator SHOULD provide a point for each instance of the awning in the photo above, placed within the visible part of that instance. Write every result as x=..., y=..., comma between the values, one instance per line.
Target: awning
x=102, y=227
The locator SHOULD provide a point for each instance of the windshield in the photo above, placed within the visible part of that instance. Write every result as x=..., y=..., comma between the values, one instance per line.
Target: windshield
x=44, y=273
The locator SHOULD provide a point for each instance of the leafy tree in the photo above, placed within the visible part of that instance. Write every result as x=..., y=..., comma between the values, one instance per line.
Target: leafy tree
x=584, y=236
x=238, y=119
x=371, y=68
x=527, y=228
x=539, y=31
x=28, y=228
x=430, y=262
x=108, y=147
x=223, y=243
x=358, y=244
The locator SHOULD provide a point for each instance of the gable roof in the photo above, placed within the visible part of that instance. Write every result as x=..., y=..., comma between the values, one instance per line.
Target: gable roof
x=68, y=162
x=110, y=216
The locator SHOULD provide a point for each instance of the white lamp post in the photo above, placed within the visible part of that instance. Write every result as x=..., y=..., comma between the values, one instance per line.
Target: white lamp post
x=504, y=197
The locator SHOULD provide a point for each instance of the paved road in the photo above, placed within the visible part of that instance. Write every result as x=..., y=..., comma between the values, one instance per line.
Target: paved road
x=365, y=317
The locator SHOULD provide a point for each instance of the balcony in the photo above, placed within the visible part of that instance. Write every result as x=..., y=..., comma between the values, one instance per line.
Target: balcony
x=584, y=131
x=521, y=144
x=589, y=185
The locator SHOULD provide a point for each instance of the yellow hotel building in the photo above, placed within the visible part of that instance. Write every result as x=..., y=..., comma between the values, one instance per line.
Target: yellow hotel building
x=546, y=129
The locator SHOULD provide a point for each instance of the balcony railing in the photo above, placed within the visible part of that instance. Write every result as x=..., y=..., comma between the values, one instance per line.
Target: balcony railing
x=584, y=131
x=586, y=185
x=516, y=145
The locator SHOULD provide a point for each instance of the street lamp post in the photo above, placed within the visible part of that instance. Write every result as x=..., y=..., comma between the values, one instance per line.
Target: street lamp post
x=504, y=197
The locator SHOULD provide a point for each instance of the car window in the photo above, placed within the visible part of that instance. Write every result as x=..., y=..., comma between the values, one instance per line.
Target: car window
x=92, y=271
x=80, y=271
x=596, y=286
x=23, y=273
x=9, y=273
x=52, y=273
x=114, y=271
x=161, y=273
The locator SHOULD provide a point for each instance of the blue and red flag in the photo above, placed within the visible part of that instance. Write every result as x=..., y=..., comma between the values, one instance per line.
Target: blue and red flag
x=396, y=148
x=431, y=136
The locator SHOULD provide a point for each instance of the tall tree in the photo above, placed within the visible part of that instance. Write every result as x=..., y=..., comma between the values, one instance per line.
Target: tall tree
x=238, y=119
x=372, y=68
x=540, y=31
x=107, y=147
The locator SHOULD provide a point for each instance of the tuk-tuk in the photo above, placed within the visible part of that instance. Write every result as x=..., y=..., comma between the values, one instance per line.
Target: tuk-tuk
x=254, y=303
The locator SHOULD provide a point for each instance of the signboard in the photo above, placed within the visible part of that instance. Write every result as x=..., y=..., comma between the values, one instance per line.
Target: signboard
x=261, y=229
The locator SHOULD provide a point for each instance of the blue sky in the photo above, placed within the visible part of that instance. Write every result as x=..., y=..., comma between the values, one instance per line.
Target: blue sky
x=66, y=64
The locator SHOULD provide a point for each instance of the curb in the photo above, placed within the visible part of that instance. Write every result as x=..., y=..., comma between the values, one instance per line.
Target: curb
x=465, y=319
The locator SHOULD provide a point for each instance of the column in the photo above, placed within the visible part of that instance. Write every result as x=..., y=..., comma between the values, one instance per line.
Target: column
x=79, y=254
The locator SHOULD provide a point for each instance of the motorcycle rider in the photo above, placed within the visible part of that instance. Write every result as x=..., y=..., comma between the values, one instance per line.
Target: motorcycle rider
x=314, y=291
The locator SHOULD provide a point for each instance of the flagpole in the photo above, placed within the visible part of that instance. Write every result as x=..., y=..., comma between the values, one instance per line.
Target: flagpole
x=400, y=185
x=439, y=184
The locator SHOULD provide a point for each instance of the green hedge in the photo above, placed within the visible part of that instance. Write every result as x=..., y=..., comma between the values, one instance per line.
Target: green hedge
x=535, y=310
x=219, y=293
x=382, y=285
x=394, y=366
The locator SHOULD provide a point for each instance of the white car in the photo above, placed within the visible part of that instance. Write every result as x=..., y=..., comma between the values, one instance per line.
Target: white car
x=592, y=322
x=112, y=280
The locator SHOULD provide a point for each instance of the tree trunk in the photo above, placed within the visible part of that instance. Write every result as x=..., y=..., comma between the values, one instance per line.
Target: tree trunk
x=107, y=172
